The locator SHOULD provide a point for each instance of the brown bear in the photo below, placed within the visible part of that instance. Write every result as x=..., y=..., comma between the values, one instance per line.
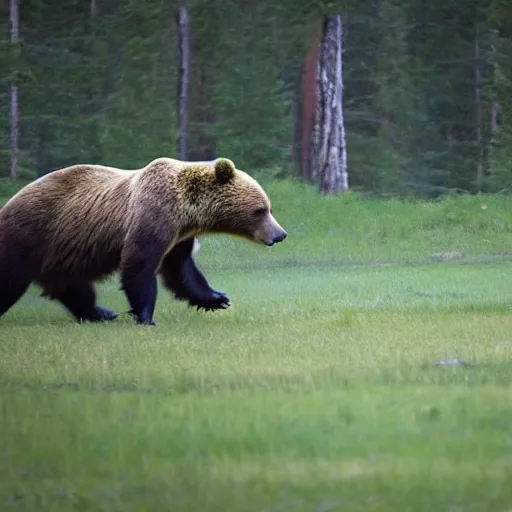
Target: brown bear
x=80, y=224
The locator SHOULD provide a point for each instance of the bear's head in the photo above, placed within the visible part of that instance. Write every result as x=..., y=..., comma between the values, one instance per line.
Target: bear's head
x=232, y=202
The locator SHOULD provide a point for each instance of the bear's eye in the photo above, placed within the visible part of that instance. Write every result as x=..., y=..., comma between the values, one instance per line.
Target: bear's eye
x=260, y=212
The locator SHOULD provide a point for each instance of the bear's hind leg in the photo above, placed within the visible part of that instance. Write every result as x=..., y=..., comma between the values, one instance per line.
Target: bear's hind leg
x=79, y=298
x=15, y=274
x=12, y=287
x=186, y=281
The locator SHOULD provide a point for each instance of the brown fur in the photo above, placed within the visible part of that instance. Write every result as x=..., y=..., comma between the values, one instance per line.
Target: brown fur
x=82, y=223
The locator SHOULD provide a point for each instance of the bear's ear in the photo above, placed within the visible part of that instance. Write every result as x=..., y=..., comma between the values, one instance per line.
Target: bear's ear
x=224, y=170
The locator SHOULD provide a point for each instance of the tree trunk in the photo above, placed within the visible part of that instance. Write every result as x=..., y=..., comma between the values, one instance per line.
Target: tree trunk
x=184, y=51
x=478, y=120
x=14, y=111
x=329, y=155
x=306, y=107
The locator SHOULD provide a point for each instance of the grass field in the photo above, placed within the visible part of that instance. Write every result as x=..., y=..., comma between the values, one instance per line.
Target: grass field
x=315, y=391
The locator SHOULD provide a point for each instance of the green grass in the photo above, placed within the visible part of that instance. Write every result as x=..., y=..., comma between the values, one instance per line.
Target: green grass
x=349, y=230
x=315, y=391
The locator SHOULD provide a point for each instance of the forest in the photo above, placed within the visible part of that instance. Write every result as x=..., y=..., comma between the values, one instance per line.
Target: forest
x=427, y=88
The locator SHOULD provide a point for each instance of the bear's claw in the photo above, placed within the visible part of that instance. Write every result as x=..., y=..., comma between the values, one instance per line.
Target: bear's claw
x=218, y=301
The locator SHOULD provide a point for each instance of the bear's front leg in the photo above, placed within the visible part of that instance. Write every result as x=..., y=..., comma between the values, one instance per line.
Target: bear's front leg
x=186, y=281
x=139, y=263
x=141, y=293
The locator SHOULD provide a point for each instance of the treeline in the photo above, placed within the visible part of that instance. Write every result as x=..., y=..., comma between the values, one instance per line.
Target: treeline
x=427, y=87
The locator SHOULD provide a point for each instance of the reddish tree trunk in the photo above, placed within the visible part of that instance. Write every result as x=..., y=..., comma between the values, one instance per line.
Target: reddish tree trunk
x=308, y=109
x=308, y=102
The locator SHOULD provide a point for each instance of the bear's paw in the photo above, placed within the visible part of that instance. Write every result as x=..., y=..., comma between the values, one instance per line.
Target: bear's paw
x=218, y=300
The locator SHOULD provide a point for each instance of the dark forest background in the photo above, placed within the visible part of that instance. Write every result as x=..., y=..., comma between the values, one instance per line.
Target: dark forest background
x=427, y=87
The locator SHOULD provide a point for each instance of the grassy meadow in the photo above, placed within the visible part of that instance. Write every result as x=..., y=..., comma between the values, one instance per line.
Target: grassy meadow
x=315, y=391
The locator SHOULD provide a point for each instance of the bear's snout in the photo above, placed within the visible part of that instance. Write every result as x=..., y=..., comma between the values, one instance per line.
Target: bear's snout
x=275, y=235
x=279, y=237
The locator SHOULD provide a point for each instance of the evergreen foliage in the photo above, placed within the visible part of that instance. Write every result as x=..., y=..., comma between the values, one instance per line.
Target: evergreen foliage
x=103, y=87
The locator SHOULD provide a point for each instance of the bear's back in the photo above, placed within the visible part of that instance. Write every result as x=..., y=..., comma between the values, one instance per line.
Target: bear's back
x=82, y=180
x=73, y=219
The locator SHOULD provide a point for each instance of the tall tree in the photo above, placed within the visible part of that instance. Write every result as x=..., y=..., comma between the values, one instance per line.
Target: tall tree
x=329, y=153
x=14, y=113
x=183, y=80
